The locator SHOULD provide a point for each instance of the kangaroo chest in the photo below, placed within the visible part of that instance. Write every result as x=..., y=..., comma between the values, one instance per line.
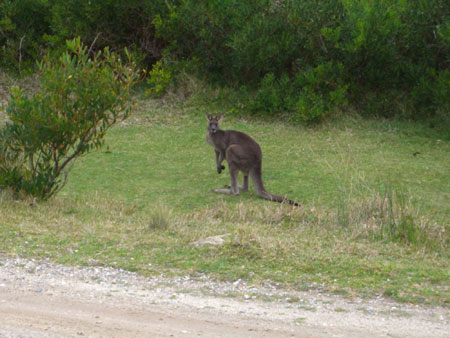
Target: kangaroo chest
x=214, y=141
x=209, y=140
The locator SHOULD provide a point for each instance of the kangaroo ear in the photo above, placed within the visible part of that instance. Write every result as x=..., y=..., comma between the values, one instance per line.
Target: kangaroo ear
x=209, y=117
x=219, y=117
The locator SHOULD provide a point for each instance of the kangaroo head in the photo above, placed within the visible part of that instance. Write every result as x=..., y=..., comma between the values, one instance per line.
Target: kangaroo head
x=213, y=125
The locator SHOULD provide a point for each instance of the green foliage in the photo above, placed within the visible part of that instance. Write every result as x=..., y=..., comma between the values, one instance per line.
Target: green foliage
x=383, y=56
x=199, y=30
x=309, y=97
x=112, y=23
x=158, y=80
x=22, y=27
x=441, y=99
x=266, y=43
x=391, y=51
x=79, y=100
x=11, y=170
x=386, y=57
x=321, y=91
x=270, y=98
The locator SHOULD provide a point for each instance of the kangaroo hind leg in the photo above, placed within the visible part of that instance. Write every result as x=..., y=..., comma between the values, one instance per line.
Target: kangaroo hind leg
x=234, y=189
x=244, y=186
x=244, y=183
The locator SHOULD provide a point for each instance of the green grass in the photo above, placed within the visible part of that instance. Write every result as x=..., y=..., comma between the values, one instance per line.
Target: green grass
x=374, y=218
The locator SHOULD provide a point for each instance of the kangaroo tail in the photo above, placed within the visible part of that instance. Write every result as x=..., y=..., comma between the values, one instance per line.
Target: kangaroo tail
x=279, y=199
x=256, y=176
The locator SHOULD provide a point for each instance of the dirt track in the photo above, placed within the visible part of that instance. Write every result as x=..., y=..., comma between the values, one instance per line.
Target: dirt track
x=49, y=300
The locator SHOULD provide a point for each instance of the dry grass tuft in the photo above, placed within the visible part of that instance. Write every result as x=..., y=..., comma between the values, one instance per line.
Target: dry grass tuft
x=160, y=218
x=391, y=217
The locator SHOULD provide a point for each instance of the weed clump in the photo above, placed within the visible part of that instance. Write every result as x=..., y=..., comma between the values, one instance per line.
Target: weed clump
x=159, y=219
x=390, y=217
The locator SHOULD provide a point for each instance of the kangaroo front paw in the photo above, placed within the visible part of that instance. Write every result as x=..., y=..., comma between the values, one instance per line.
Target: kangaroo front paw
x=220, y=168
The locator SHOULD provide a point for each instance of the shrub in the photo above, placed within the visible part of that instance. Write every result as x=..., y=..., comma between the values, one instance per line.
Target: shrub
x=321, y=90
x=159, y=79
x=270, y=98
x=387, y=50
x=112, y=23
x=11, y=170
x=264, y=43
x=386, y=57
x=79, y=100
x=309, y=97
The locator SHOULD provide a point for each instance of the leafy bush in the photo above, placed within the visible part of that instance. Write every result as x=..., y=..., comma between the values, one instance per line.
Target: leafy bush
x=79, y=100
x=321, y=89
x=265, y=44
x=158, y=80
x=270, y=97
x=11, y=170
x=112, y=23
x=312, y=95
x=441, y=99
x=386, y=57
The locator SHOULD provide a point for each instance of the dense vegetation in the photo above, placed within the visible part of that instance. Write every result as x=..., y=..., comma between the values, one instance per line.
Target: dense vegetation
x=305, y=58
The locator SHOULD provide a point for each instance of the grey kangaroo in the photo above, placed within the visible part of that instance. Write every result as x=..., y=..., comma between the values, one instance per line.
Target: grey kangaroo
x=242, y=154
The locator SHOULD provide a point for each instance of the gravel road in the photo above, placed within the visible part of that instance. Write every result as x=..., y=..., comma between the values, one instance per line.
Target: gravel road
x=43, y=299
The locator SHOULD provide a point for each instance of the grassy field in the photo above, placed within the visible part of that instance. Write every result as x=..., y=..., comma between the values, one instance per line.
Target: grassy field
x=374, y=218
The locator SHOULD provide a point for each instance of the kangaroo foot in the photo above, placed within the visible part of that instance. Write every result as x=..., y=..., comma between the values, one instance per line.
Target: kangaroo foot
x=225, y=191
x=241, y=188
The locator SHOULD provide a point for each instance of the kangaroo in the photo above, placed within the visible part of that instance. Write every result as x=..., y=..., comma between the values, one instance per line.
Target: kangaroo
x=242, y=154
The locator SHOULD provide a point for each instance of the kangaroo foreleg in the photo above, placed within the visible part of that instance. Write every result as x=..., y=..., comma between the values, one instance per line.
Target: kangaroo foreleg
x=220, y=156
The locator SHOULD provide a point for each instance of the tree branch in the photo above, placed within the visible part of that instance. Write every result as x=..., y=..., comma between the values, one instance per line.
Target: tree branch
x=93, y=43
x=20, y=51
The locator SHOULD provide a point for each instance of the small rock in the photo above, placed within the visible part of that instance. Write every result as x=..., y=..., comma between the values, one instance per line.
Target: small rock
x=213, y=240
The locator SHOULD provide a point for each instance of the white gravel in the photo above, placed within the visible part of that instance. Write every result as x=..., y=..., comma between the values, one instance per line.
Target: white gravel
x=43, y=299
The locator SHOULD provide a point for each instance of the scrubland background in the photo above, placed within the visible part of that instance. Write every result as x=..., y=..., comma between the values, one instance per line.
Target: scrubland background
x=348, y=100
